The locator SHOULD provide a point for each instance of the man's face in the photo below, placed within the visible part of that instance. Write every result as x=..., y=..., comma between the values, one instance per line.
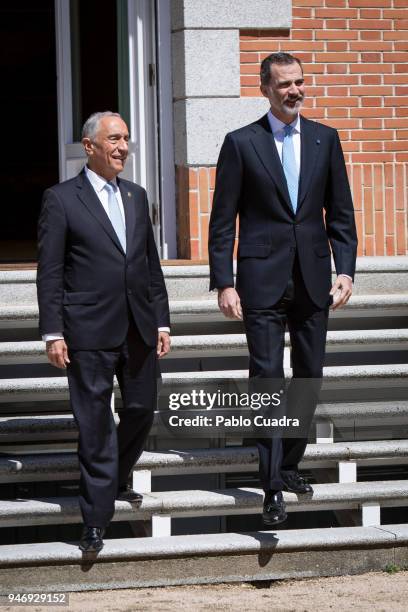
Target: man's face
x=107, y=152
x=285, y=91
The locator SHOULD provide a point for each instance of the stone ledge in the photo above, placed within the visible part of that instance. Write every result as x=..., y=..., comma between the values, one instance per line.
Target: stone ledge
x=231, y=14
x=398, y=263
x=209, y=306
x=29, y=468
x=212, y=544
x=202, y=559
x=19, y=388
x=57, y=427
x=223, y=344
x=375, y=275
x=198, y=503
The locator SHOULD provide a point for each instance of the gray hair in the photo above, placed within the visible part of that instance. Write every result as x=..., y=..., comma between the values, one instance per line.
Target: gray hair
x=91, y=125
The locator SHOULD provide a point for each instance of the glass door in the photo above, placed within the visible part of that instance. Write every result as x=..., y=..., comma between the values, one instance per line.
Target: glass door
x=106, y=61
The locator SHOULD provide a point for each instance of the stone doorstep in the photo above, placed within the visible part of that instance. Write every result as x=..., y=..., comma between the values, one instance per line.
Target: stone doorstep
x=222, y=344
x=208, y=544
x=202, y=559
x=195, y=503
x=15, y=468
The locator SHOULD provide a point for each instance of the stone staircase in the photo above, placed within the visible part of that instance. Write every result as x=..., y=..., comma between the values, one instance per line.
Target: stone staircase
x=199, y=521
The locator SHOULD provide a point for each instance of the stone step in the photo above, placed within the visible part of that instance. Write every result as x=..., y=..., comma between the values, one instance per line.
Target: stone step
x=56, y=388
x=18, y=467
x=206, y=309
x=220, y=345
x=381, y=305
x=51, y=428
x=40, y=427
x=374, y=275
x=337, y=341
x=60, y=567
x=234, y=459
x=199, y=503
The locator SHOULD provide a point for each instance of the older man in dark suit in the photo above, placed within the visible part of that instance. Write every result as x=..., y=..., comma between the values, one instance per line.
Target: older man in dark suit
x=286, y=178
x=103, y=311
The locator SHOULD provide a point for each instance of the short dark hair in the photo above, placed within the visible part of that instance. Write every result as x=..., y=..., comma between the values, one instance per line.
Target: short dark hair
x=276, y=58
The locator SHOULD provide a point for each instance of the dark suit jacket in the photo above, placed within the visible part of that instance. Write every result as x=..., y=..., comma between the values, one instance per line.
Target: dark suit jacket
x=86, y=284
x=250, y=182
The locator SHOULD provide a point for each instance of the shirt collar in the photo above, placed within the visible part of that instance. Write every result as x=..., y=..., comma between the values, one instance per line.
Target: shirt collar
x=278, y=125
x=98, y=182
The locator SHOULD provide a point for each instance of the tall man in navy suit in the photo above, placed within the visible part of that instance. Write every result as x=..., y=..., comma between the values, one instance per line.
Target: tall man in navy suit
x=286, y=178
x=103, y=311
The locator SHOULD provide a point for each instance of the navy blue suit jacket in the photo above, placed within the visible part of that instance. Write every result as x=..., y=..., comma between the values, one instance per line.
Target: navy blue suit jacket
x=87, y=286
x=250, y=182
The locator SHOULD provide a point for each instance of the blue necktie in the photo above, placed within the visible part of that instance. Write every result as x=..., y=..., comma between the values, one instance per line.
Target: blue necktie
x=115, y=215
x=290, y=166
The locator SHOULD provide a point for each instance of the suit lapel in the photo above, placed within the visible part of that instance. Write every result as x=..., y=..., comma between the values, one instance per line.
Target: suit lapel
x=309, y=147
x=265, y=147
x=128, y=200
x=88, y=197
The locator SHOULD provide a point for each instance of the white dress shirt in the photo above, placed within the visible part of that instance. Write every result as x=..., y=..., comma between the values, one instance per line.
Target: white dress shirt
x=98, y=183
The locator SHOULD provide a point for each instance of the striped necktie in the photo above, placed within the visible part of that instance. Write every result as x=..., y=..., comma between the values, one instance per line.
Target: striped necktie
x=290, y=166
x=115, y=215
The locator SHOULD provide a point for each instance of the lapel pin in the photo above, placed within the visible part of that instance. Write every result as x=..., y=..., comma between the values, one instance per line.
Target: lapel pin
x=317, y=141
x=129, y=194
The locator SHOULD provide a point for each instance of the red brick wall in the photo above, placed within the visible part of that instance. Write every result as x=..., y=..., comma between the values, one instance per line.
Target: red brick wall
x=195, y=188
x=355, y=56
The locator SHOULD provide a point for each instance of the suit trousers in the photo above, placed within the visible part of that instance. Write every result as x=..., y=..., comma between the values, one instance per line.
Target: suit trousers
x=265, y=331
x=107, y=454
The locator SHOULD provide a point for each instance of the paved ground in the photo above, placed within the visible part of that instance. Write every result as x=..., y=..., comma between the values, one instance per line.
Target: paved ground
x=373, y=591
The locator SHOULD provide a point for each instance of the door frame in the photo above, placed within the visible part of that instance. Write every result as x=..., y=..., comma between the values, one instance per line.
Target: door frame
x=167, y=178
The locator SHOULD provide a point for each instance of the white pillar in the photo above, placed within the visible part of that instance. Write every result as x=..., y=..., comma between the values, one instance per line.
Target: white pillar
x=161, y=525
x=142, y=481
x=347, y=471
x=371, y=514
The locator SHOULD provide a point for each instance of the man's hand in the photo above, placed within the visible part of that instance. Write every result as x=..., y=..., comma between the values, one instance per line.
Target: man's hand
x=343, y=287
x=163, y=344
x=57, y=353
x=229, y=303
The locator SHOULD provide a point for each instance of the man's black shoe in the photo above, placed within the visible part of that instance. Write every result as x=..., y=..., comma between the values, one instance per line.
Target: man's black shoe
x=274, y=509
x=128, y=494
x=91, y=539
x=295, y=483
